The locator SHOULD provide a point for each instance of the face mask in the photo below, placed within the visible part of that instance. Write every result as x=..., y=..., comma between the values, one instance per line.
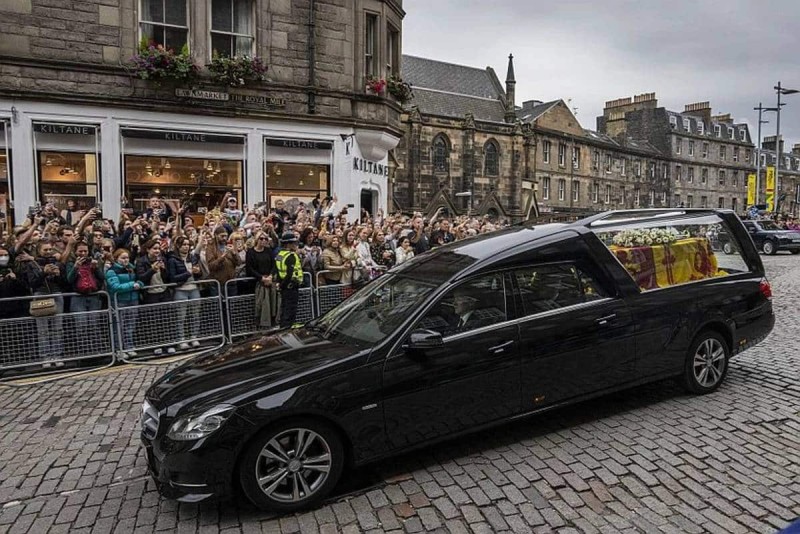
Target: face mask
x=4, y=261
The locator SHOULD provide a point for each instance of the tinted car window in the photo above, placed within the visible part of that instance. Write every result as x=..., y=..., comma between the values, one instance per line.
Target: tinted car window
x=549, y=287
x=474, y=304
x=666, y=253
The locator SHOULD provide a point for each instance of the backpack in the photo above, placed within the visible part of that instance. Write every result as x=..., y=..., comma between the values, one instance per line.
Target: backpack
x=86, y=281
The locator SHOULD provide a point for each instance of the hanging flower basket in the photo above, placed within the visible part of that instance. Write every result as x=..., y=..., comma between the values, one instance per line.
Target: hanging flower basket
x=400, y=90
x=154, y=62
x=237, y=71
x=376, y=86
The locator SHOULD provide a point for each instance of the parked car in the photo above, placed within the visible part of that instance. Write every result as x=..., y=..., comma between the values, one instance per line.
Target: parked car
x=470, y=335
x=769, y=237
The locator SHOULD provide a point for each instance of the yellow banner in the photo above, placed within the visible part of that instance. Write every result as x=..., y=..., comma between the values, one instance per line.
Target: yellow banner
x=751, y=190
x=770, y=196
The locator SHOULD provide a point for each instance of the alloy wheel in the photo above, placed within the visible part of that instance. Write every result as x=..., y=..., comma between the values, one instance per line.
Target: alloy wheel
x=769, y=247
x=709, y=362
x=293, y=465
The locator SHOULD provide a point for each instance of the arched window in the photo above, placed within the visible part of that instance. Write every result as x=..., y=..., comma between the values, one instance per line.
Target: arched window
x=491, y=159
x=441, y=154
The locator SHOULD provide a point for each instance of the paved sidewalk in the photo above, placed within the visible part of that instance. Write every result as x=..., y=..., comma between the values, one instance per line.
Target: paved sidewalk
x=647, y=460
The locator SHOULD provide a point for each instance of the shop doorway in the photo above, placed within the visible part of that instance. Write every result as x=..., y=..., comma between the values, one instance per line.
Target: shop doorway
x=369, y=202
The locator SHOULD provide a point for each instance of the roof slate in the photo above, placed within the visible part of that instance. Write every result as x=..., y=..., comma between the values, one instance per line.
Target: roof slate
x=451, y=78
x=450, y=105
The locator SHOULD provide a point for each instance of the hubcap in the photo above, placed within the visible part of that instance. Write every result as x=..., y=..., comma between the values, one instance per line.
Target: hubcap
x=293, y=465
x=709, y=362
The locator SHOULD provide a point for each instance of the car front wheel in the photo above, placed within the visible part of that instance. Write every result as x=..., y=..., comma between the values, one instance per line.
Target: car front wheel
x=292, y=465
x=706, y=363
x=727, y=248
x=769, y=248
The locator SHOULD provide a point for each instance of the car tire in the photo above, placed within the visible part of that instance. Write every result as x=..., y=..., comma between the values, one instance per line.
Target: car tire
x=727, y=248
x=769, y=248
x=292, y=465
x=706, y=363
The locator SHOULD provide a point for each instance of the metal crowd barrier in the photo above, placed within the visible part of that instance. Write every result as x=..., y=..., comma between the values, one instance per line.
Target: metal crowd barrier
x=241, y=309
x=54, y=340
x=149, y=327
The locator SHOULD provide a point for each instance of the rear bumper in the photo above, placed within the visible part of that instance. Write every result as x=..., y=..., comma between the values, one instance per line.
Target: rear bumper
x=754, y=331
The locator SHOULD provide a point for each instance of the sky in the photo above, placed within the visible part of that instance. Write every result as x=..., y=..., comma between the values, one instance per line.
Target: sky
x=728, y=52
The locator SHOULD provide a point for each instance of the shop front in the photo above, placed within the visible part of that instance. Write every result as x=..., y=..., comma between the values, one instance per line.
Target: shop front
x=6, y=215
x=188, y=170
x=67, y=164
x=296, y=171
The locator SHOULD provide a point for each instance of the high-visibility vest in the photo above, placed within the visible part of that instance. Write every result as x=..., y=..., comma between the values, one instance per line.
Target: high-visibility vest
x=280, y=264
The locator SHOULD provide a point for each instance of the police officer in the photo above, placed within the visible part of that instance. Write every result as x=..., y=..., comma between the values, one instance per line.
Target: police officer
x=290, y=278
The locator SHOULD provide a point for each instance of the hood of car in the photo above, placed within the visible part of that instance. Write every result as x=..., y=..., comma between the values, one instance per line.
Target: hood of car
x=242, y=372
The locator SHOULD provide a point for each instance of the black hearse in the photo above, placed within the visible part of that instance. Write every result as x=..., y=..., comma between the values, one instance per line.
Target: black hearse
x=472, y=334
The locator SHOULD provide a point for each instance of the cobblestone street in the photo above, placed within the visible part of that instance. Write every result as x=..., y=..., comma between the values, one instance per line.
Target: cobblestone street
x=647, y=460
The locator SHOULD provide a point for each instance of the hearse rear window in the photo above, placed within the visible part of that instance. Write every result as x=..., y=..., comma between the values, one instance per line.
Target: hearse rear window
x=660, y=253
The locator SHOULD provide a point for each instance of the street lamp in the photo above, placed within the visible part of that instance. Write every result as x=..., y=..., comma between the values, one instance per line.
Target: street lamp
x=760, y=110
x=780, y=91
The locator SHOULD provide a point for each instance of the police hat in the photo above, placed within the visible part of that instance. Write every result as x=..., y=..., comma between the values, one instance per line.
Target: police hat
x=288, y=237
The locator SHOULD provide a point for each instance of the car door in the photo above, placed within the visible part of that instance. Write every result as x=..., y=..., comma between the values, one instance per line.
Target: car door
x=576, y=336
x=470, y=380
x=755, y=234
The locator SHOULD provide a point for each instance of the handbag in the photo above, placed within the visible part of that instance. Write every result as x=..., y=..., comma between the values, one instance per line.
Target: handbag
x=43, y=307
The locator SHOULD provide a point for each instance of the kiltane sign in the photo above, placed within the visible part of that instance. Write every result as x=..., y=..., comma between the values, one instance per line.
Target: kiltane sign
x=63, y=129
x=299, y=143
x=362, y=165
x=178, y=135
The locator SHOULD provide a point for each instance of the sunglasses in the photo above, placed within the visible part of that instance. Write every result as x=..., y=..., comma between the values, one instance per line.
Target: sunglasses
x=107, y=248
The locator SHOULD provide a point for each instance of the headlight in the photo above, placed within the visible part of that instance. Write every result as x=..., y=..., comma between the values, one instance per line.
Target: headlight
x=197, y=426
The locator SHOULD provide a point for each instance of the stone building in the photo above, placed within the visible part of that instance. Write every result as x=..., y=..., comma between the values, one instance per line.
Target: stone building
x=76, y=123
x=469, y=148
x=708, y=157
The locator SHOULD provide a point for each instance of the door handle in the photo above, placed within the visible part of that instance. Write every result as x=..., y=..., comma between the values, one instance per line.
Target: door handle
x=605, y=320
x=497, y=349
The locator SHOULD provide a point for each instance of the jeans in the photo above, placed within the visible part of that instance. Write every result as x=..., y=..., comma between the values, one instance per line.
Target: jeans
x=128, y=325
x=87, y=324
x=190, y=330
x=51, y=331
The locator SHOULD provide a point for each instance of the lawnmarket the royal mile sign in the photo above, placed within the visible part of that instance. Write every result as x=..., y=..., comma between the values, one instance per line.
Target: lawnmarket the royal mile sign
x=221, y=97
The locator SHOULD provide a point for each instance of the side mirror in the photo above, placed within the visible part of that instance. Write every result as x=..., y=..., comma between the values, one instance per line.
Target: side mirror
x=424, y=339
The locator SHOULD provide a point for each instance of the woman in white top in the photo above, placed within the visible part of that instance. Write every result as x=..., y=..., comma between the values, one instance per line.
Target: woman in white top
x=404, y=251
x=364, y=255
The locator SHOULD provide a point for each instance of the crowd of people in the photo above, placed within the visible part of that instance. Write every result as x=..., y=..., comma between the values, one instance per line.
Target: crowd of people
x=162, y=254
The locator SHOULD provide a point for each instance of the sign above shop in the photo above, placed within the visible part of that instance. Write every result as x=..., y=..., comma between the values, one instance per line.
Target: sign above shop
x=299, y=143
x=178, y=135
x=63, y=129
x=238, y=98
x=370, y=167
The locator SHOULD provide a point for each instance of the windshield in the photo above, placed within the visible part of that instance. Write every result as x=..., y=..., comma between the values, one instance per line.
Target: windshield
x=769, y=225
x=375, y=312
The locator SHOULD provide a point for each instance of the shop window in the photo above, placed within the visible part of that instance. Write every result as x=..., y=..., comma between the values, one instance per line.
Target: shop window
x=294, y=183
x=6, y=219
x=68, y=179
x=164, y=22
x=197, y=184
x=232, y=27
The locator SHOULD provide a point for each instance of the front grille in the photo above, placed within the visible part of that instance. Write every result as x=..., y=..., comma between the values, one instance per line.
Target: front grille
x=149, y=420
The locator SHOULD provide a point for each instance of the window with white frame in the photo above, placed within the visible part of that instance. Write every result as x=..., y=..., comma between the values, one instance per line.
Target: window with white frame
x=721, y=202
x=608, y=194
x=678, y=145
x=687, y=125
x=637, y=168
x=721, y=175
x=392, y=51
x=704, y=202
x=718, y=130
x=676, y=201
x=652, y=198
x=763, y=159
x=595, y=159
x=691, y=148
x=664, y=170
x=723, y=152
x=562, y=189
x=651, y=170
x=701, y=127
x=673, y=121
x=545, y=188
x=704, y=154
x=164, y=22
x=735, y=179
x=623, y=195
x=678, y=174
x=608, y=163
x=232, y=28
x=736, y=153
x=747, y=155
x=546, y=151
x=370, y=45
x=787, y=163
x=576, y=158
x=562, y=154
x=730, y=133
x=742, y=134
x=690, y=175
x=689, y=201
x=576, y=188
x=704, y=176
x=623, y=164
x=595, y=192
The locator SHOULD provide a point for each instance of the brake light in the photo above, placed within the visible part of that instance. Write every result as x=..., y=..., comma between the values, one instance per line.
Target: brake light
x=765, y=289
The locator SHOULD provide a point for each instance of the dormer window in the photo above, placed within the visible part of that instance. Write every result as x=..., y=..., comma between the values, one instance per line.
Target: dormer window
x=730, y=132
x=717, y=130
x=673, y=121
x=687, y=125
x=701, y=127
